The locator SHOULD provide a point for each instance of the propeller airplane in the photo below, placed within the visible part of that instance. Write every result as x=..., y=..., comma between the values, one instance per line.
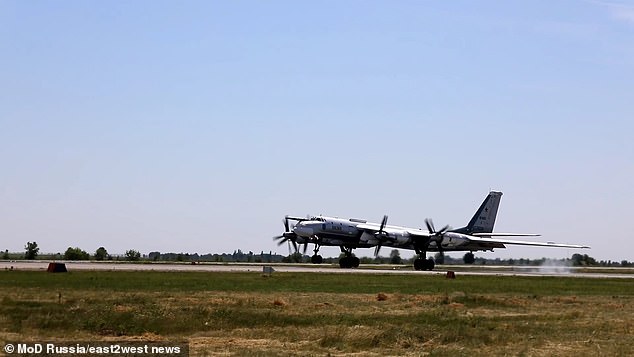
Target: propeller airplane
x=350, y=234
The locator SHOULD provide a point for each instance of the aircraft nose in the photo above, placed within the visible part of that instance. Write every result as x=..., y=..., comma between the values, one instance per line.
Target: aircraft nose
x=303, y=230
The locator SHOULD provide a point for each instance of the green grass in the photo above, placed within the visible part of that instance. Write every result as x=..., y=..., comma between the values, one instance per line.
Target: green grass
x=312, y=282
x=306, y=313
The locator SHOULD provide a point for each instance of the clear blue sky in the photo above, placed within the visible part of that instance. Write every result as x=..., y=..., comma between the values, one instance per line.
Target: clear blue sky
x=196, y=126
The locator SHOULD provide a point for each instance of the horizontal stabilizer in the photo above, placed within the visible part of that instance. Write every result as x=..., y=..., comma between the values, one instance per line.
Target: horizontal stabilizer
x=506, y=234
x=520, y=242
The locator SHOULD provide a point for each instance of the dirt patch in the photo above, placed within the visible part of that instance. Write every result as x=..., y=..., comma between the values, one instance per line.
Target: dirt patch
x=122, y=308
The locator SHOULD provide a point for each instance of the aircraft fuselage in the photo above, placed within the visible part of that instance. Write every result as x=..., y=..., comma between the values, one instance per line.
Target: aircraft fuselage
x=333, y=231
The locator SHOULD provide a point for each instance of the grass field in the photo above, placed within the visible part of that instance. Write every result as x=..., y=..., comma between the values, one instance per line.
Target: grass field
x=321, y=314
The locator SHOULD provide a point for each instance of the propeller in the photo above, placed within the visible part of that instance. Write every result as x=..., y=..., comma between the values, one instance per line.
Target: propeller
x=288, y=235
x=436, y=236
x=381, y=235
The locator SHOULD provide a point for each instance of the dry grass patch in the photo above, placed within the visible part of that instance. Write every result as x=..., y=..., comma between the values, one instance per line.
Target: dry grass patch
x=450, y=319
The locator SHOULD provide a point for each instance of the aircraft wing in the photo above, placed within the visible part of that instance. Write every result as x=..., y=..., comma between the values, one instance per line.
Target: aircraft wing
x=418, y=233
x=485, y=240
x=373, y=227
x=368, y=227
x=489, y=241
x=505, y=234
x=422, y=233
x=295, y=218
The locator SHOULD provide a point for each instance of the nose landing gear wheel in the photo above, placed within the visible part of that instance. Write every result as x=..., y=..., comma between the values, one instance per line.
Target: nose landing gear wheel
x=316, y=259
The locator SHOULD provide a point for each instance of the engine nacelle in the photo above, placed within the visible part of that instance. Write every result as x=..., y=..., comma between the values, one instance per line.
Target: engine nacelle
x=453, y=240
x=390, y=239
x=400, y=239
x=367, y=238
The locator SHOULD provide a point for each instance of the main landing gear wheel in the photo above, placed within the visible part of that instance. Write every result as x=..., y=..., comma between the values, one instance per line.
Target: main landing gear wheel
x=424, y=264
x=316, y=259
x=349, y=262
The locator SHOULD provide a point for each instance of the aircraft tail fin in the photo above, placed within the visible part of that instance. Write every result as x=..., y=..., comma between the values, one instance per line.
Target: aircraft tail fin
x=484, y=218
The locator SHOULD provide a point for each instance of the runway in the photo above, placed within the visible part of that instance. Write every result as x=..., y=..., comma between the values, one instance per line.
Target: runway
x=537, y=271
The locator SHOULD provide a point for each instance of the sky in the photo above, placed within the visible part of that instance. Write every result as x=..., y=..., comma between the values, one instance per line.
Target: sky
x=195, y=126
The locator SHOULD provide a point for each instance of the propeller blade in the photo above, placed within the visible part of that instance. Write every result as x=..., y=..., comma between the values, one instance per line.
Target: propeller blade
x=430, y=225
x=442, y=255
x=383, y=223
x=286, y=224
x=444, y=229
x=438, y=237
x=295, y=246
x=377, y=250
x=305, y=248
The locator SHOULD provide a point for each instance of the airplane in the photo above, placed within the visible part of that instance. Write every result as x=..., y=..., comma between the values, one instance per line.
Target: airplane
x=350, y=234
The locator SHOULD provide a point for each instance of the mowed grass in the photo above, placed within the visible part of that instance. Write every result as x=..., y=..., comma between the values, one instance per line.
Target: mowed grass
x=320, y=314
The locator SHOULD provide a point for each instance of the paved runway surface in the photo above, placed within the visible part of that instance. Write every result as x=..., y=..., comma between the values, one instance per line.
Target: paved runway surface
x=308, y=268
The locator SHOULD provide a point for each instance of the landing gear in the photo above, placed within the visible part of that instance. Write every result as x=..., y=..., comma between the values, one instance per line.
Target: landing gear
x=316, y=258
x=421, y=263
x=349, y=260
x=418, y=264
x=422, y=245
x=424, y=264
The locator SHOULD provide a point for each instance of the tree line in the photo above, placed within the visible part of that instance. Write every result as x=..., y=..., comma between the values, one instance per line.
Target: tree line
x=32, y=252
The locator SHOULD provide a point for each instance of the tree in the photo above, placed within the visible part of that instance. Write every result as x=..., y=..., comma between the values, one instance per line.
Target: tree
x=31, y=250
x=469, y=258
x=154, y=256
x=5, y=255
x=584, y=260
x=132, y=255
x=101, y=254
x=296, y=257
x=439, y=258
x=76, y=254
x=395, y=257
